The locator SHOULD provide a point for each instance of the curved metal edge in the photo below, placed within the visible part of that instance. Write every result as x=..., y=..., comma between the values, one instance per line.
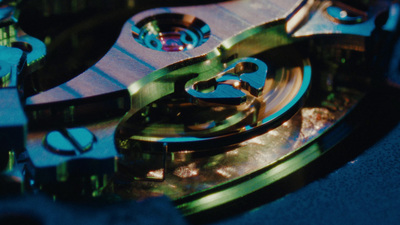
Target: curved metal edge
x=237, y=190
x=271, y=121
x=205, y=66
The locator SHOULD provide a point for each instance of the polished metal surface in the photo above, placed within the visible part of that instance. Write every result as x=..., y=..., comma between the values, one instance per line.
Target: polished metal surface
x=171, y=32
x=205, y=103
x=188, y=174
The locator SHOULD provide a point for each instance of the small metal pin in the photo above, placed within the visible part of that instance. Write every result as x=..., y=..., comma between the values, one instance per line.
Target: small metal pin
x=5, y=74
x=344, y=14
x=71, y=141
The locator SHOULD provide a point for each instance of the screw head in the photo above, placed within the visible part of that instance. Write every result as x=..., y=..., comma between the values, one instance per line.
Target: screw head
x=345, y=15
x=71, y=141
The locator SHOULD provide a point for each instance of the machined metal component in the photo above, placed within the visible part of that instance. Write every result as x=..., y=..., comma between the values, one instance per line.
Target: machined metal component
x=268, y=155
x=225, y=107
x=19, y=53
x=8, y=20
x=12, y=36
x=70, y=162
x=344, y=14
x=5, y=74
x=121, y=69
x=171, y=32
x=247, y=74
x=218, y=118
x=13, y=123
x=74, y=141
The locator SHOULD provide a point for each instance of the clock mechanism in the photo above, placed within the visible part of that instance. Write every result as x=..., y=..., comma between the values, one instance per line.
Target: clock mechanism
x=202, y=105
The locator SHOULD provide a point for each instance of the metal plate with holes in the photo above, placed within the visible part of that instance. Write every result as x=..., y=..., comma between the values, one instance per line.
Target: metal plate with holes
x=204, y=102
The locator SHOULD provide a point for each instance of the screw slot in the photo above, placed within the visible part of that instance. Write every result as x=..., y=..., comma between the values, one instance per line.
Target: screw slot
x=73, y=141
x=24, y=46
x=171, y=32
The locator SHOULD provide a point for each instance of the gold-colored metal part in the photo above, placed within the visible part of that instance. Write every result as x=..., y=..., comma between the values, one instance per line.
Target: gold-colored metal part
x=289, y=36
x=243, y=168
